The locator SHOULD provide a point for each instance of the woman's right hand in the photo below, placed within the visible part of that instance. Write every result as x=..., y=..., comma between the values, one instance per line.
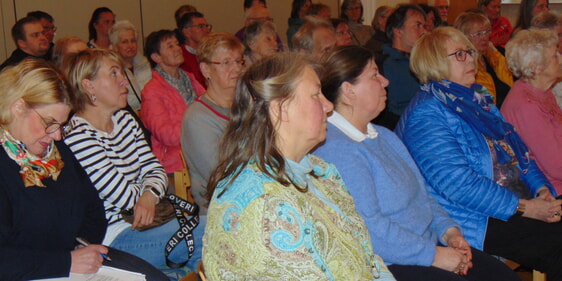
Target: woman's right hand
x=450, y=259
x=87, y=259
x=541, y=209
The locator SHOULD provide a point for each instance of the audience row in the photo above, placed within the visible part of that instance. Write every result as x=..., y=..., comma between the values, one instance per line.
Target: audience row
x=295, y=170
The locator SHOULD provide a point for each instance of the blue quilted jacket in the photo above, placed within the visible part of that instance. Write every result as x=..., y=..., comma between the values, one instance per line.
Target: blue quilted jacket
x=455, y=160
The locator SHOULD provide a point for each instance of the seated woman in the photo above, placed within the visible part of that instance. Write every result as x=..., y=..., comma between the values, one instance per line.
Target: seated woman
x=123, y=36
x=553, y=21
x=46, y=199
x=474, y=163
x=204, y=122
x=411, y=232
x=277, y=212
x=98, y=28
x=343, y=35
x=379, y=37
x=527, y=10
x=166, y=97
x=260, y=39
x=352, y=11
x=531, y=106
x=492, y=70
x=500, y=27
x=110, y=145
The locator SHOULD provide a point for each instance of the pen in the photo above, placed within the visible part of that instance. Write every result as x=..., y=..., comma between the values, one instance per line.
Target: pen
x=85, y=242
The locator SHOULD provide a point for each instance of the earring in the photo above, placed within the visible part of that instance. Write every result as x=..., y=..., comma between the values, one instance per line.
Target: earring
x=93, y=98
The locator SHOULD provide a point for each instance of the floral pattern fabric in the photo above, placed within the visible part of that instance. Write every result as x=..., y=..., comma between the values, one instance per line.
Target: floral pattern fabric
x=261, y=230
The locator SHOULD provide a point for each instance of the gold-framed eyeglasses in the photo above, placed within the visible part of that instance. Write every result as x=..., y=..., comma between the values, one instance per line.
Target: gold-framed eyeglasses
x=228, y=63
x=461, y=55
x=51, y=126
x=482, y=33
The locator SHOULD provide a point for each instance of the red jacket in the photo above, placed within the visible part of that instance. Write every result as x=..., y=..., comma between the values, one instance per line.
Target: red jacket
x=162, y=111
x=190, y=64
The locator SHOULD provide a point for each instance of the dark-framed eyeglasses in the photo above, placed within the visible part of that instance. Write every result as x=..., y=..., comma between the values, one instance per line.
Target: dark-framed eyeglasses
x=50, y=126
x=482, y=33
x=201, y=26
x=461, y=55
x=228, y=63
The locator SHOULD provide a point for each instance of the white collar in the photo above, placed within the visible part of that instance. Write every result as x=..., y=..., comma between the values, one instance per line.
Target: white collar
x=190, y=49
x=349, y=130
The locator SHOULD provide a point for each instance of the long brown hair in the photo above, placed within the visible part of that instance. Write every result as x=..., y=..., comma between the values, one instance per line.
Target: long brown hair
x=251, y=134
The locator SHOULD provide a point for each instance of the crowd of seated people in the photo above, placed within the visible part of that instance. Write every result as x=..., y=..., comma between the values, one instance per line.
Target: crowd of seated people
x=293, y=162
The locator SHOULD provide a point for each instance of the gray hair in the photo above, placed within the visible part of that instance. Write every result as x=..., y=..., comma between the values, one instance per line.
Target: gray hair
x=117, y=28
x=526, y=51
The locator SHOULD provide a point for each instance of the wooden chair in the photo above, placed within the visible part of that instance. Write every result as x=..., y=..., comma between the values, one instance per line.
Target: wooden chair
x=537, y=275
x=201, y=270
x=192, y=276
x=182, y=182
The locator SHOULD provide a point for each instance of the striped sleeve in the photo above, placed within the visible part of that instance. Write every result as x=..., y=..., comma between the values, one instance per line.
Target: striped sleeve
x=120, y=165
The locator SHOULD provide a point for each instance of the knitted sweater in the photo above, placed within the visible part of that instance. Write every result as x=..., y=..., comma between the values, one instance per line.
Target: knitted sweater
x=404, y=221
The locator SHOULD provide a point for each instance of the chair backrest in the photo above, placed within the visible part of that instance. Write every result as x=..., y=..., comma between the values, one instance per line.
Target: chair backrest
x=182, y=182
x=201, y=270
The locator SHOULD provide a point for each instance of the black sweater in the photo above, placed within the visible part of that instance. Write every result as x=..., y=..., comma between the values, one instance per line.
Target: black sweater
x=38, y=225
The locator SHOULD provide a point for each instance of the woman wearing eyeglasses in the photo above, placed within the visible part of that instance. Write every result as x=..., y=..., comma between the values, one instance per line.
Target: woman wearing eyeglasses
x=220, y=59
x=474, y=163
x=46, y=198
x=493, y=72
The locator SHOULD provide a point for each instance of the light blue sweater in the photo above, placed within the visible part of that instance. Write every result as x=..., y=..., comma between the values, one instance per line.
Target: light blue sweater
x=404, y=222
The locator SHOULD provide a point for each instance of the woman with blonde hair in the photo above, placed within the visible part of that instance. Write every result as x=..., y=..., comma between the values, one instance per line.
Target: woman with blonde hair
x=492, y=72
x=475, y=164
x=411, y=232
x=276, y=211
x=46, y=199
x=110, y=145
x=221, y=62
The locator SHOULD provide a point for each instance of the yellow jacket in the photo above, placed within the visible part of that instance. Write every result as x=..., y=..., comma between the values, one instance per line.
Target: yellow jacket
x=499, y=64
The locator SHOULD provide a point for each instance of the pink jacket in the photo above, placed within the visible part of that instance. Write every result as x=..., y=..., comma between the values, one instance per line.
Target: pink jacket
x=538, y=120
x=162, y=111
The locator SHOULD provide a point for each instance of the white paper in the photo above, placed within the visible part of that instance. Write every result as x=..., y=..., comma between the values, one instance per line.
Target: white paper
x=105, y=273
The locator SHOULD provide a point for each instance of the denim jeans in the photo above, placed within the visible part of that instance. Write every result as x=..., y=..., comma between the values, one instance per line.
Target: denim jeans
x=149, y=244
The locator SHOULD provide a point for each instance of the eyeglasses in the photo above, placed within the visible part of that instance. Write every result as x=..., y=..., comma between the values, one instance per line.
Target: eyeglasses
x=461, y=55
x=482, y=33
x=228, y=63
x=50, y=126
x=49, y=28
x=201, y=26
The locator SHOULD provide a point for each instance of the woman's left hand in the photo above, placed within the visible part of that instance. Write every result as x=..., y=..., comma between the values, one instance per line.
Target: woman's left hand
x=144, y=209
x=455, y=240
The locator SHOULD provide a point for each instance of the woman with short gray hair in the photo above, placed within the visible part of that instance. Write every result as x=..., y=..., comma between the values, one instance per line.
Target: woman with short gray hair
x=531, y=106
x=124, y=36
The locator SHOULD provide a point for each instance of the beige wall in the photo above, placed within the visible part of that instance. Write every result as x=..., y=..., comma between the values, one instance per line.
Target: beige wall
x=71, y=16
